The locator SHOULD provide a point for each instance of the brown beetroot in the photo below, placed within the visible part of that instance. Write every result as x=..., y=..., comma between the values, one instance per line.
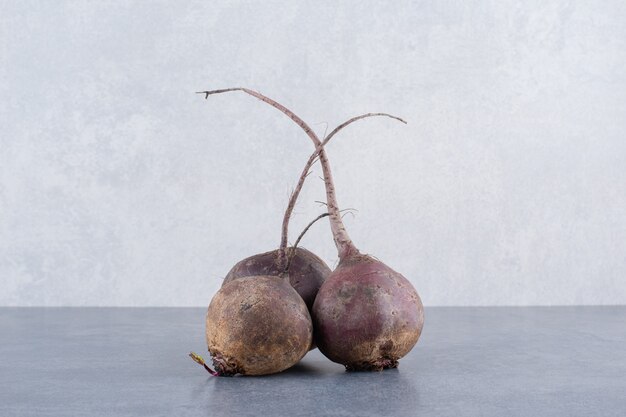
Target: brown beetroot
x=257, y=326
x=258, y=322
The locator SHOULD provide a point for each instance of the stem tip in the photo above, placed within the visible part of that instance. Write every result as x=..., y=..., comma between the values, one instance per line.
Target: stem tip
x=200, y=360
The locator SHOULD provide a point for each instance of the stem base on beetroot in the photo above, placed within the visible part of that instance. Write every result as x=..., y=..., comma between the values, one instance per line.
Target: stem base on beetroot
x=307, y=271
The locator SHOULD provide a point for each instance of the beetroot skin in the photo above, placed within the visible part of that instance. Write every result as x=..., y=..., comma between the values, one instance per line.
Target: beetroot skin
x=370, y=322
x=257, y=326
x=307, y=271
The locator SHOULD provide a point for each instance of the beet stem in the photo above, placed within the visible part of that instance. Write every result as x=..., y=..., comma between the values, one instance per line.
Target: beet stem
x=295, y=245
x=305, y=173
x=354, y=119
x=340, y=235
x=344, y=244
x=200, y=360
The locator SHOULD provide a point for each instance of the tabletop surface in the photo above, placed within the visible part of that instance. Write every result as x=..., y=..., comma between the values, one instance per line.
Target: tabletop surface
x=500, y=361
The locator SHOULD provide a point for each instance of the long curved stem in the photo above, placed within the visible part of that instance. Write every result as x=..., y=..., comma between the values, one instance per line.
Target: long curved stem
x=295, y=245
x=354, y=119
x=282, y=251
x=344, y=244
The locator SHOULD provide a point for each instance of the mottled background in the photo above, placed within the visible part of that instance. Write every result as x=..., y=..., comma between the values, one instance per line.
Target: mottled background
x=120, y=186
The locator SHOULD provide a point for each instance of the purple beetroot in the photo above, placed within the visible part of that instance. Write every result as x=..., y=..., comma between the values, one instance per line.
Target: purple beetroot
x=366, y=316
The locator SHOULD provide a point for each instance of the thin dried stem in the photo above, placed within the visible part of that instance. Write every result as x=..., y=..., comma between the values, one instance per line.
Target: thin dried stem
x=295, y=245
x=200, y=360
x=312, y=159
x=344, y=244
x=340, y=235
x=354, y=119
x=306, y=171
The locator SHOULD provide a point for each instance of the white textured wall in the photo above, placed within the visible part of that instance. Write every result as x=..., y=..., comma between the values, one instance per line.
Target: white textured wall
x=119, y=186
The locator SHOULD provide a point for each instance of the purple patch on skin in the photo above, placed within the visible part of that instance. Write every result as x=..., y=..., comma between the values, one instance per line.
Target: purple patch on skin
x=366, y=315
x=307, y=271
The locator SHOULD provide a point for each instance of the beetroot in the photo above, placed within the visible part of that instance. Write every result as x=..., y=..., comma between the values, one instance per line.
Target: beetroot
x=257, y=326
x=366, y=315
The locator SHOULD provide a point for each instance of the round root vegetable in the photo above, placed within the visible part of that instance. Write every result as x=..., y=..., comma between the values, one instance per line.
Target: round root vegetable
x=257, y=323
x=257, y=326
x=366, y=315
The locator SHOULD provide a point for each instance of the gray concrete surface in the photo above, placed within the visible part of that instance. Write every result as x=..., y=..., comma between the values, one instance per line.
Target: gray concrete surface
x=561, y=361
